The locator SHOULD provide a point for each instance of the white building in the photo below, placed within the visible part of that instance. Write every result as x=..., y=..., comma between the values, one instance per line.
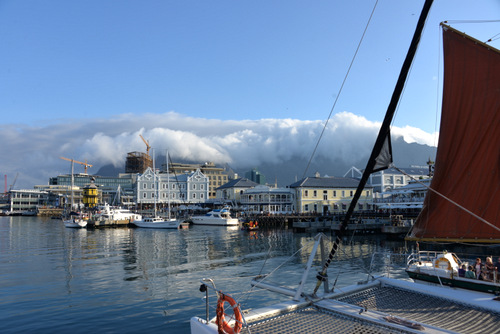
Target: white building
x=264, y=199
x=390, y=178
x=178, y=189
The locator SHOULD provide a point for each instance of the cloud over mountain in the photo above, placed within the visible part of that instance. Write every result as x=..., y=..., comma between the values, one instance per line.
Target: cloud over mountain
x=34, y=151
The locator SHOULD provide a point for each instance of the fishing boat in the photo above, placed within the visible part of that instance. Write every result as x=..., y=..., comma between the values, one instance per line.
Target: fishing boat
x=382, y=304
x=216, y=217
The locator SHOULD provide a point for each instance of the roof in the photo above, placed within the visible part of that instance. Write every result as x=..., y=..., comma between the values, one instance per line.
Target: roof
x=239, y=183
x=326, y=182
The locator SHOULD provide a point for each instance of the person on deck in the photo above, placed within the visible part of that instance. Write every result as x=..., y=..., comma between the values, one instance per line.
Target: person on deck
x=497, y=265
x=488, y=269
x=462, y=270
x=470, y=273
x=478, y=266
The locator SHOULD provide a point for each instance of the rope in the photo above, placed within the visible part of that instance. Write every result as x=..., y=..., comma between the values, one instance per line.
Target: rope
x=340, y=90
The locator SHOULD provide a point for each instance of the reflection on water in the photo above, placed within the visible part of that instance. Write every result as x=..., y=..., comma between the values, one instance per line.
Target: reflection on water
x=55, y=279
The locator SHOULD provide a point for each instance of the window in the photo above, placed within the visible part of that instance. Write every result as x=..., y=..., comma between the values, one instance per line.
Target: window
x=306, y=193
x=325, y=195
x=351, y=193
x=335, y=193
x=144, y=186
x=315, y=193
x=194, y=196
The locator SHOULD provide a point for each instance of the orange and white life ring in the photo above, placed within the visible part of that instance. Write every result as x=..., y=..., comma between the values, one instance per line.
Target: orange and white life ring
x=221, y=322
x=442, y=259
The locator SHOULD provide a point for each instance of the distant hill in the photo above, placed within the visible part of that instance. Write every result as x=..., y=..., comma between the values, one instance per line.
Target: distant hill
x=287, y=172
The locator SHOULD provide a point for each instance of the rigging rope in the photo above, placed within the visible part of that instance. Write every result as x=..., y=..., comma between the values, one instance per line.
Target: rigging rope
x=340, y=91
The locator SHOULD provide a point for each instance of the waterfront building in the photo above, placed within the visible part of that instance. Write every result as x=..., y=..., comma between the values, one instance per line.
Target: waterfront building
x=406, y=199
x=114, y=190
x=265, y=199
x=178, y=189
x=217, y=176
x=26, y=200
x=231, y=191
x=390, y=178
x=326, y=195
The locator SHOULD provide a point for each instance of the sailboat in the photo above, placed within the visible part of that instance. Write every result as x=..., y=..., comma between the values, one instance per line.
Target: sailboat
x=388, y=305
x=157, y=221
x=467, y=211
x=74, y=219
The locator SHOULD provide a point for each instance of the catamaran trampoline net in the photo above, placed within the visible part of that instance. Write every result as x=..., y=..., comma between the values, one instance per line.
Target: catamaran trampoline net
x=396, y=302
x=314, y=320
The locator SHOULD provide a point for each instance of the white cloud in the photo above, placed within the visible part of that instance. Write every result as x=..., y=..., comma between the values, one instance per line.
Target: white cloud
x=34, y=152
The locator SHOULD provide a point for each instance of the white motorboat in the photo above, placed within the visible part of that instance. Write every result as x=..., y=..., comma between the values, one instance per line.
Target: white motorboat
x=157, y=222
x=219, y=217
x=117, y=215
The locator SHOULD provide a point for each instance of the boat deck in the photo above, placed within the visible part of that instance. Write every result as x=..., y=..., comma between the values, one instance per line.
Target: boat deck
x=377, y=309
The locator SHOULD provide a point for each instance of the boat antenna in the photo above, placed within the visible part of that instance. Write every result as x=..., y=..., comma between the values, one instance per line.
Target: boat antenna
x=381, y=156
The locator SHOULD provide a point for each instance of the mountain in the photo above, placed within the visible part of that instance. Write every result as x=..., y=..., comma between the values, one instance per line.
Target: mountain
x=287, y=172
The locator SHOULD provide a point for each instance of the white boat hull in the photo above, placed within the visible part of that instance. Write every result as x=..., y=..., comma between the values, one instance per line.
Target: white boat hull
x=158, y=223
x=214, y=221
x=75, y=223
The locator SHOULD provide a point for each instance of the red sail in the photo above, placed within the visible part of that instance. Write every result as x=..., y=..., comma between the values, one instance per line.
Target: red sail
x=467, y=166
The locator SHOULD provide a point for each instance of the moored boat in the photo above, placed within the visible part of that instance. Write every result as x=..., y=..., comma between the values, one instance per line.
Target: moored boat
x=110, y=215
x=157, y=222
x=221, y=217
x=75, y=220
x=446, y=268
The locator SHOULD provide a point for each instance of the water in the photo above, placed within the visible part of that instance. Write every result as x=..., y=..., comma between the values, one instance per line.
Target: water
x=127, y=280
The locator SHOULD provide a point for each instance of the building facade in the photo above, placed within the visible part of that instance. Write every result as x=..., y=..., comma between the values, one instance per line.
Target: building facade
x=231, y=192
x=328, y=195
x=176, y=189
x=217, y=176
x=264, y=199
x=388, y=179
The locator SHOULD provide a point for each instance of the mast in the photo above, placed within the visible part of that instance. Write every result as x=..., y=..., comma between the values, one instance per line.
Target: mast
x=381, y=156
x=168, y=187
x=155, y=193
x=72, y=185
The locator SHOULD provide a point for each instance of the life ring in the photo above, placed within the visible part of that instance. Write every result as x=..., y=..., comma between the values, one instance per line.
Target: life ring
x=442, y=259
x=221, y=322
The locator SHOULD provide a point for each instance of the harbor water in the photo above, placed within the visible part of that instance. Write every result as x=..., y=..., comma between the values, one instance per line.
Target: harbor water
x=128, y=280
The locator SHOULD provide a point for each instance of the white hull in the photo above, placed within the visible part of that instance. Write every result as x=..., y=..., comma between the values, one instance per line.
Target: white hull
x=201, y=220
x=75, y=223
x=216, y=218
x=328, y=303
x=158, y=222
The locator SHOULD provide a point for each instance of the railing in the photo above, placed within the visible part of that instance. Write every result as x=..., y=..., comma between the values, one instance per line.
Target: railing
x=207, y=285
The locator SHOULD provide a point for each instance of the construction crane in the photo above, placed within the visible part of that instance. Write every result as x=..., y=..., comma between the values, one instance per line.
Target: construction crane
x=14, y=182
x=145, y=142
x=85, y=164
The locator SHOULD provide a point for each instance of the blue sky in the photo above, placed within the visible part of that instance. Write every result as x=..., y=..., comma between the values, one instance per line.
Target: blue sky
x=68, y=64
